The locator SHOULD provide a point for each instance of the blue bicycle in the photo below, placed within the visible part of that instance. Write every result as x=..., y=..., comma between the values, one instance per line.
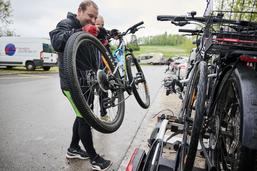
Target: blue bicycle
x=131, y=72
x=98, y=79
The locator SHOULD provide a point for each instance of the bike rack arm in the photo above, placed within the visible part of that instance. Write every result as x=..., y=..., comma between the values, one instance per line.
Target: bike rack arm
x=162, y=129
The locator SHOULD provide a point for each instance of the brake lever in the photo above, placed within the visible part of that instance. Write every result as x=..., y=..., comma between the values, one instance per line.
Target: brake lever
x=180, y=23
x=133, y=30
x=140, y=27
x=187, y=34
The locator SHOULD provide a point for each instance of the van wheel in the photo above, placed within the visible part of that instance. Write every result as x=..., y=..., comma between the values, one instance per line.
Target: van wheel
x=46, y=68
x=9, y=67
x=30, y=66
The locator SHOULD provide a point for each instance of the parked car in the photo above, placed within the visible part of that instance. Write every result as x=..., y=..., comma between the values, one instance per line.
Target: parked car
x=175, y=72
x=179, y=66
x=152, y=58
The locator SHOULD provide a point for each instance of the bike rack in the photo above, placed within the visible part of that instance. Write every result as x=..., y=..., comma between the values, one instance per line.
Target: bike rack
x=159, y=163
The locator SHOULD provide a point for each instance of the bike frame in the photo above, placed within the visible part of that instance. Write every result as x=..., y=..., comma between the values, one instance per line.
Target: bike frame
x=120, y=57
x=120, y=60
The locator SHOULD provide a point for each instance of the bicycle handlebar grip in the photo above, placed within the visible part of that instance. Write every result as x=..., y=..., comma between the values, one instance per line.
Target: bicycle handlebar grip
x=189, y=31
x=165, y=17
x=138, y=24
x=171, y=18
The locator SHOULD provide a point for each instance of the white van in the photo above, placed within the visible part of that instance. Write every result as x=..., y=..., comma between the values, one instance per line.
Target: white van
x=28, y=52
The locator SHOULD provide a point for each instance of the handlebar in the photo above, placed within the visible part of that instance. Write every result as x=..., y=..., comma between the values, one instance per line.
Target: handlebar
x=136, y=25
x=171, y=18
x=133, y=29
x=190, y=31
x=183, y=20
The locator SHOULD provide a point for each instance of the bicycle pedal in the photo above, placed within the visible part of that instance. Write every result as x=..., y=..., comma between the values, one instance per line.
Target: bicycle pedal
x=139, y=74
x=139, y=78
x=107, y=103
x=176, y=145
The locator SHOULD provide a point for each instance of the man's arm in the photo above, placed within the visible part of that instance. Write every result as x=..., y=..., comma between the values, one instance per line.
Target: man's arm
x=61, y=34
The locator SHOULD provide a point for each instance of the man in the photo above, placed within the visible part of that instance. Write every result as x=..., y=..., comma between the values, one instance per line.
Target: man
x=83, y=21
x=99, y=21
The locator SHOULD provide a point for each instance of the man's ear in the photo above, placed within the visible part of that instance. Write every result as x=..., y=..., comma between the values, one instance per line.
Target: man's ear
x=79, y=10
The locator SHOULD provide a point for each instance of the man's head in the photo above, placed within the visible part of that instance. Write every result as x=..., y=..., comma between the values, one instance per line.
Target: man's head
x=87, y=12
x=99, y=21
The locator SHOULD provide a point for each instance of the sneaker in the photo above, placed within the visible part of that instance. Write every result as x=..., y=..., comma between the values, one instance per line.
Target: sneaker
x=100, y=164
x=76, y=154
x=105, y=118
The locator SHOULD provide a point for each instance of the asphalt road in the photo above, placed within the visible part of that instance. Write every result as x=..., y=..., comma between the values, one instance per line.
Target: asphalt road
x=36, y=122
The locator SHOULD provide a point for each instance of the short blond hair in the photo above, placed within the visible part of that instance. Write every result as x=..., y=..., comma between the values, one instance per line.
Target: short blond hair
x=100, y=21
x=86, y=3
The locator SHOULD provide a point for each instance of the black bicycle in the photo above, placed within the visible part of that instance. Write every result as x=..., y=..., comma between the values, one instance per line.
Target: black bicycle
x=97, y=79
x=218, y=104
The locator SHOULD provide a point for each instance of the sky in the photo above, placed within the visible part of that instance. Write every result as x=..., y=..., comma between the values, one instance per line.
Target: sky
x=35, y=18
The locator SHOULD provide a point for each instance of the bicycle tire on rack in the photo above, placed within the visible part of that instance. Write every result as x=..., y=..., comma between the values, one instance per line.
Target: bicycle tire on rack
x=198, y=83
x=144, y=99
x=233, y=103
x=84, y=56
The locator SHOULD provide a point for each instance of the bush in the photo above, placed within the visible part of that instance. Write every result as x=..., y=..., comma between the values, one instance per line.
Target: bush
x=134, y=47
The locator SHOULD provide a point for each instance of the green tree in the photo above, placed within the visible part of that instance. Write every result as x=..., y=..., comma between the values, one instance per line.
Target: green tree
x=134, y=43
x=5, y=11
x=5, y=17
x=241, y=9
x=245, y=6
x=163, y=39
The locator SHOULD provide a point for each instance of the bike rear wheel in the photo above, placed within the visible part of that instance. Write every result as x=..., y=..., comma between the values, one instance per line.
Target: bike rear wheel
x=226, y=149
x=94, y=87
x=138, y=82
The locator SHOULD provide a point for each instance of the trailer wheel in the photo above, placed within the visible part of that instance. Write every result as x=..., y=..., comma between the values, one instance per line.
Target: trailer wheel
x=46, y=68
x=30, y=66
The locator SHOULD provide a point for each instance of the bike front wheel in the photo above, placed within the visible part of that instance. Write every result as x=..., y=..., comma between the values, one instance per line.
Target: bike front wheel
x=193, y=116
x=93, y=85
x=137, y=81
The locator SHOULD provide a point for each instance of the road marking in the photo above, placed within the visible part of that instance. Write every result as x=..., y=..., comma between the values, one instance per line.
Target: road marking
x=22, y=76
x=34, y=76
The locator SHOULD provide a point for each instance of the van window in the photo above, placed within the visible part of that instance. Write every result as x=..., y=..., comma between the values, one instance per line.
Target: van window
x=47, y=48
x=145, y=57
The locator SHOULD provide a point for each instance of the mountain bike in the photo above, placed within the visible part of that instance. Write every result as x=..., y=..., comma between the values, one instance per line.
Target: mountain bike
x=97, y=80
x=130, y=70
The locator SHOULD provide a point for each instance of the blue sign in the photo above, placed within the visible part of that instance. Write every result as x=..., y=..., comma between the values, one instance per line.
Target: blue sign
x=10, y=49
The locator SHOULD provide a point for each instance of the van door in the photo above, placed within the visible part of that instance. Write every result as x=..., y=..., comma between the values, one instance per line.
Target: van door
x=8, y=54
x=48, y=55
